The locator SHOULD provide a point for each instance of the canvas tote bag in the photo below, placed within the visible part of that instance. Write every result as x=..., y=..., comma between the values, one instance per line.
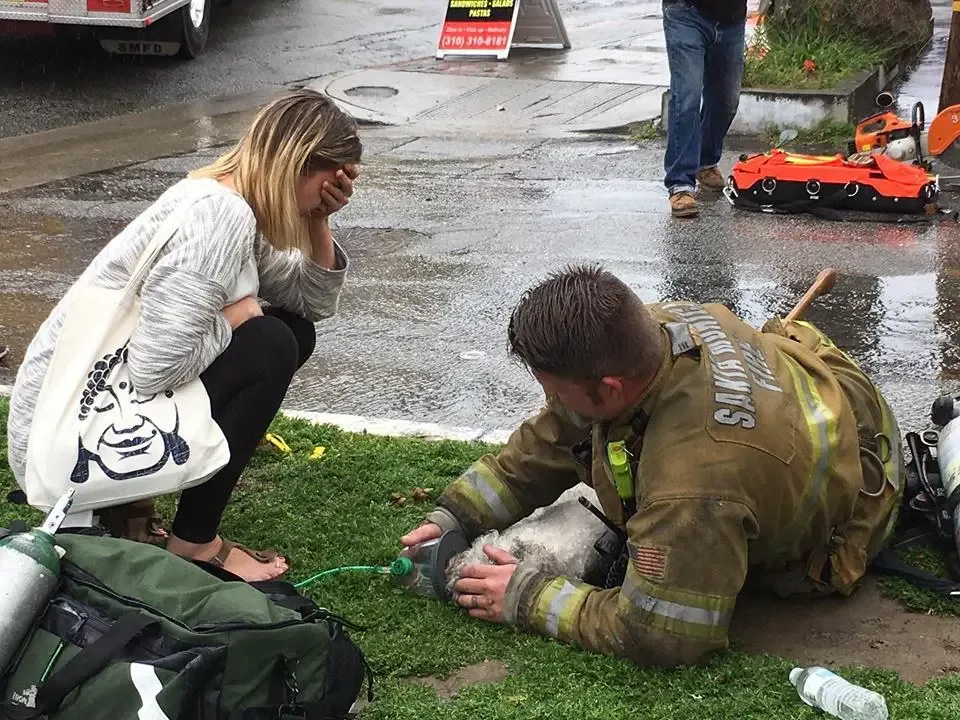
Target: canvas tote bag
x=93, y=431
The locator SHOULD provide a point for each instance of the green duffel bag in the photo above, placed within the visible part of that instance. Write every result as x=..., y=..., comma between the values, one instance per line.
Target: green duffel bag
x=135, y=633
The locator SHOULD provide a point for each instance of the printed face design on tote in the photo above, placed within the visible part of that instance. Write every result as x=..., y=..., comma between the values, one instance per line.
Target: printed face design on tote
x=136, y=435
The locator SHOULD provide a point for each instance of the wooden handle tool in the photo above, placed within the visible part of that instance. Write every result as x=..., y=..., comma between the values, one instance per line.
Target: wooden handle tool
x=821, y=286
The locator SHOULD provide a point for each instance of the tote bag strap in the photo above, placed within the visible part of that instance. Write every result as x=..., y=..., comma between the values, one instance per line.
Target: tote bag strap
x=168, y=228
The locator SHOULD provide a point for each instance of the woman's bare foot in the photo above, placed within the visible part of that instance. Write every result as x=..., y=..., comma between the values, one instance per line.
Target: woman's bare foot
x=238, y=562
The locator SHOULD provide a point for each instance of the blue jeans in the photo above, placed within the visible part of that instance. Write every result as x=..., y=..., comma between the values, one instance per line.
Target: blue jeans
x=706, y=61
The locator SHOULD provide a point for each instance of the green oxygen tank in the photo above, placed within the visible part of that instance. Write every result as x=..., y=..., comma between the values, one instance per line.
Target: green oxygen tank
x=29, y=572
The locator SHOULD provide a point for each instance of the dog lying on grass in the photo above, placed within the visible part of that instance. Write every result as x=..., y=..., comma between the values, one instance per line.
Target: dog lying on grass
x=558, y=538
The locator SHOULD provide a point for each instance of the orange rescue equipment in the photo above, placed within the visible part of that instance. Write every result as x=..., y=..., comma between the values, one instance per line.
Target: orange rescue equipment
x=779, y=181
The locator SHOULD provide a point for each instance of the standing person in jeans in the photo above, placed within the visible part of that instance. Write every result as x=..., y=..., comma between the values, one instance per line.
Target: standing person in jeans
x=256, y=226
x=705, y=48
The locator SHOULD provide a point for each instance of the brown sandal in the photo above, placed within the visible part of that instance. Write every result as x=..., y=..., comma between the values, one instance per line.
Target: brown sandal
x=267, y=557
x=137, y=521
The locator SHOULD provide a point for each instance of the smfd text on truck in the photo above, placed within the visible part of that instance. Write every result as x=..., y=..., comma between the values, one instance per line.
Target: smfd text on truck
x=124, y=27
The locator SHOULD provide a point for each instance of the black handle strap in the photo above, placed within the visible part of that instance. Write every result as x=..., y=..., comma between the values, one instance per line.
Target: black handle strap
x=16, y=527
x=83, y=666
x=801, y=205
x=889, y=563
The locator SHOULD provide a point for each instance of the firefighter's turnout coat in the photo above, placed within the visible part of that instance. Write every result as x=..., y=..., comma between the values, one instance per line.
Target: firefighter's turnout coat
x=757, y=457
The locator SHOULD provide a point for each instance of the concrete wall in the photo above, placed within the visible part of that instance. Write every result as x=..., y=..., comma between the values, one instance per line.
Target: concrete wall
x=802, y=109
x=759, y=111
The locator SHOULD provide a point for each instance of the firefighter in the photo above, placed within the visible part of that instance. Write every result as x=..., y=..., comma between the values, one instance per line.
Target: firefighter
x=729, y=457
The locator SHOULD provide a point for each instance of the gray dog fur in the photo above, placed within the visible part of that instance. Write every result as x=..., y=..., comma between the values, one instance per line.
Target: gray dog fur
x=558, y=539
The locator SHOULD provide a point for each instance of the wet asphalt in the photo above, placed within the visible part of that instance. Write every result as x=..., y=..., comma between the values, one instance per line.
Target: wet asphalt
x=920, y=82
x=446, y=233
x=254, y=45
x=259, y=46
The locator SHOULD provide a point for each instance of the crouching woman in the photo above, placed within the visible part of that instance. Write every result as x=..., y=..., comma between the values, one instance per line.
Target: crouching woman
x=252, y=225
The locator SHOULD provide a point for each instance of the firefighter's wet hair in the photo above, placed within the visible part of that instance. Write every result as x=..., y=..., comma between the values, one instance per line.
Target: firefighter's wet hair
x=302, y=132
x=584, y=323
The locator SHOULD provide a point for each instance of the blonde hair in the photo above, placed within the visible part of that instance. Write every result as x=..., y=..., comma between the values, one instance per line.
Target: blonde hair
x=299, y=134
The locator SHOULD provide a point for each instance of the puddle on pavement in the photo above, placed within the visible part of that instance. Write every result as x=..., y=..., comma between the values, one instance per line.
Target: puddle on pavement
x=41, y=254
x=20, y=316
x=394, y=350
x=444, y=241
x=39, y=242
x=367, y=242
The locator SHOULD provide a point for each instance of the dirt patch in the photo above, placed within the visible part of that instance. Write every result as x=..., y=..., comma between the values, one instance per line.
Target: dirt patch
x=489, y=671
x=866, y=629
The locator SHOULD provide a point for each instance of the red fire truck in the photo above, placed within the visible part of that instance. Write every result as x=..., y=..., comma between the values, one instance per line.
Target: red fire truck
x=123, y=27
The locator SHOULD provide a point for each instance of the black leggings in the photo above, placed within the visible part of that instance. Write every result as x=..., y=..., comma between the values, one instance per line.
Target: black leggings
x=246, y=385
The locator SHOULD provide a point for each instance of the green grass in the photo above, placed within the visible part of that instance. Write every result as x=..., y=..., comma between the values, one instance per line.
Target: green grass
x=837, y=58
x=828, y=135
x=338, y=511
x=646, y=130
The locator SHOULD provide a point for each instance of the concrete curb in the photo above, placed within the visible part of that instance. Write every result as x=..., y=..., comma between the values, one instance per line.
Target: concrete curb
x=427, y=100
x=386, y=427
x=760, y=108
x=434, y=101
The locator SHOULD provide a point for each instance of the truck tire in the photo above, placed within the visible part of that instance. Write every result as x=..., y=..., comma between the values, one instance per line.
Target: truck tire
x=195, y=20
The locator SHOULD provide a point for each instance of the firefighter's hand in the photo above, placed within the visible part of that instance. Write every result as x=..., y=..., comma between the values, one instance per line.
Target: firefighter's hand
x=481, y=588
x=336, y=196
x=423, y=533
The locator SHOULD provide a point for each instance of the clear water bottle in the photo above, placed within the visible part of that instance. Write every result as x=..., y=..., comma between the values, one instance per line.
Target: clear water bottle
x=820, y=688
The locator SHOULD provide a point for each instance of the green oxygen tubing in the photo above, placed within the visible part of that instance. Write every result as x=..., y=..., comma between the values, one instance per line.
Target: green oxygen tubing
x=401, y=567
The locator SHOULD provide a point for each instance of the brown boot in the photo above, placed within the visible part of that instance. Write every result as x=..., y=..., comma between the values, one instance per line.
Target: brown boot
x=684, y=204
x=711, y=179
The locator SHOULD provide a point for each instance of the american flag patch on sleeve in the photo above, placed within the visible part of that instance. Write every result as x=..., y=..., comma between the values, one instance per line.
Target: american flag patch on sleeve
x=649, y=561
